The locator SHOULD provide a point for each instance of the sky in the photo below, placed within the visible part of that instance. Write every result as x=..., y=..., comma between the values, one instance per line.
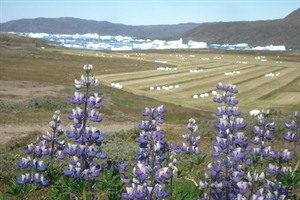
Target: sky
x=149, y=12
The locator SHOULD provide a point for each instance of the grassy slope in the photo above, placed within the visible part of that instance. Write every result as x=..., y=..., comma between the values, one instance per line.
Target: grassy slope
x=62, y=66
x=256, y=91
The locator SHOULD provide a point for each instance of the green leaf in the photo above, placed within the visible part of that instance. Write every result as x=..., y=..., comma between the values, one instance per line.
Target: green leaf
x=19, y=190
x=108, y=173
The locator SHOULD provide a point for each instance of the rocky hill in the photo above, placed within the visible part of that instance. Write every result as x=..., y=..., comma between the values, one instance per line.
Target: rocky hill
x=284, y=31
x=68, y=25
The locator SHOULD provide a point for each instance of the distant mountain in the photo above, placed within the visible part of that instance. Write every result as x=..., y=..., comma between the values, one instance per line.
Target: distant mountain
x=257, y=33
x=68, y=25
x=284, y=31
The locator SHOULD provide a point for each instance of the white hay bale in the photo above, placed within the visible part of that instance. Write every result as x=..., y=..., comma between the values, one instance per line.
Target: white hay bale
x=254, y=112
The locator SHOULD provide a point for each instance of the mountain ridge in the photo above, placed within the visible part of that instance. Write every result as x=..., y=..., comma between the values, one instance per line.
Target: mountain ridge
x=70, y=25
x=285, y=31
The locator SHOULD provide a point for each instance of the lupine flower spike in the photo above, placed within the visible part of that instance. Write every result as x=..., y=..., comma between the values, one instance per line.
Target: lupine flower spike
x=42, y=148
x=150, y=175
x=293, y=132
x=226, y=179
x=86, y=149
x=192, y=140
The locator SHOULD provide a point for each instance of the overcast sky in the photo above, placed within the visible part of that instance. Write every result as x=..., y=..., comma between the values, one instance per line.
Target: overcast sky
x=149, y=12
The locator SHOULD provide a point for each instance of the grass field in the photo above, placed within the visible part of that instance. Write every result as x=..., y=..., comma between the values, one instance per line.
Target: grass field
x=45, y=79
x=280, y=92
x=137, y=72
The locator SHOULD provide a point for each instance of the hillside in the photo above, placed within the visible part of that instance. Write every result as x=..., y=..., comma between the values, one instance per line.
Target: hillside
x=284, y=31
x=258, y=33
x=68, y=25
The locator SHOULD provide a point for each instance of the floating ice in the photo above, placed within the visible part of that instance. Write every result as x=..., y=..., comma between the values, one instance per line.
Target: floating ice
x=94, y=41
x=271, y=48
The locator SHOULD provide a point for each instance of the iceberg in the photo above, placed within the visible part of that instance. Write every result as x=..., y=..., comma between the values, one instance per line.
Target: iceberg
x=271, y=48
x=197, y=45
x=95, y=41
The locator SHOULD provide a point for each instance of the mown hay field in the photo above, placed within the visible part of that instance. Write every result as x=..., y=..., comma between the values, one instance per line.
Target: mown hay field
x=265, y=80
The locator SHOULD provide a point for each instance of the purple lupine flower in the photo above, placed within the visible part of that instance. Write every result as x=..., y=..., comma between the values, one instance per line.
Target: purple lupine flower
x=243, y=187
x=293, y=133
x=292, y=126
x=162, y=175
x=40, y=179
x=272, y=169
x=238, y=124
x=255, y=176
x=142, y=172
x=38, y=165
x=291, y=137
x=160, y=191
x=94, y=101
x=268, y=152
x=270, y=185
x=286, y=170
x=25, y=163
x=78, y=98
x=226, y=178
x=47, y=145
x=60, y=155
x=87, y=139
x=285, y=155
x=95, y=116
x=192, y=141
x=263, y=134
x=94, y=170
x=70, y=171
x=149, y=170
x=24, y=179
x=255, y=152
x=130, y=193
x=256, y=140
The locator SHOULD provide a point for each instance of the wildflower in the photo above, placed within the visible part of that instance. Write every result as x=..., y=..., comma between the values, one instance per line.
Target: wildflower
x=230, y=149
x=40, y=149
x=285, y=155
x=293, y=132
x=151, y=176
x=192, y=141
x=243, y=187
x=87, y=138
